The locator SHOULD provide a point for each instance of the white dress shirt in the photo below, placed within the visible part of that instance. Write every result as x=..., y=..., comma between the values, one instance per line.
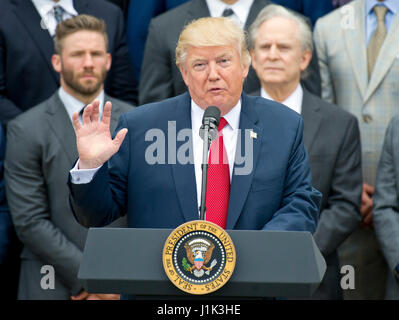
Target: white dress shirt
x=46, y=12
x=294, y=101
x=73, y=105
x=230, y=134
x=241, y=10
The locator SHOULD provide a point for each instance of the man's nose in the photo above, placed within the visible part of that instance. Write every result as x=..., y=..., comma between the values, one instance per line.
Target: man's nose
x=88, y=60
x=213, y=72
x=273, y=52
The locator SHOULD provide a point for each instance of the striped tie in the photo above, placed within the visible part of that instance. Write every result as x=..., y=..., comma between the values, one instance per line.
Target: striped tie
x=58, y=14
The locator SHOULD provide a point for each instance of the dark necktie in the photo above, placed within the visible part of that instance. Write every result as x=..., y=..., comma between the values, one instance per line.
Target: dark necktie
x=58, y=14
x=227, y=12
x=218, y=186
x=81, y=113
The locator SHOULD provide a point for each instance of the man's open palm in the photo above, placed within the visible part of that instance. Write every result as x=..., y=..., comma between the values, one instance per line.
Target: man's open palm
x=93, y=138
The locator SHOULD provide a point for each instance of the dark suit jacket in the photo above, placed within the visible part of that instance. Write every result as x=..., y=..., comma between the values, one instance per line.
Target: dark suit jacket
x=313, y=9
x=6, y=226
x=160, y=78
x=140, y=14
x=26, y=73
x=40, y=152
x=275, y=195
x=332, y=140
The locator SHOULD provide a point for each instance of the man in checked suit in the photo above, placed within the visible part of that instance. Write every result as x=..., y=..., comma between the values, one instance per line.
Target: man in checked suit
x=161, y=79
x=27, y=29
x=41, y=148
x=281, y=47
x=358, y=47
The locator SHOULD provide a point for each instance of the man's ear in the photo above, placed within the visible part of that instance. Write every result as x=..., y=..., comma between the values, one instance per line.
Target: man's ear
x=306, y=57
x=56, y=61
x=183, y=72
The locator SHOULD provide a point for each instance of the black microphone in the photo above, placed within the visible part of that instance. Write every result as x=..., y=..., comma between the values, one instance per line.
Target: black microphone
x=208, y=132
x=210, y=123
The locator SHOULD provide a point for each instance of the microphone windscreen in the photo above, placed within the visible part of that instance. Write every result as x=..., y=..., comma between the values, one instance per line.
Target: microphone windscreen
x=212, y=112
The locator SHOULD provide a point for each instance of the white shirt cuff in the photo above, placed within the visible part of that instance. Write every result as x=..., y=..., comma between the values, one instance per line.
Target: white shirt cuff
x=81, y=176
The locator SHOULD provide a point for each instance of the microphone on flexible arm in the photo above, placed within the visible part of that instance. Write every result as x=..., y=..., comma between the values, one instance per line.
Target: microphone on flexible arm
x=208, y=132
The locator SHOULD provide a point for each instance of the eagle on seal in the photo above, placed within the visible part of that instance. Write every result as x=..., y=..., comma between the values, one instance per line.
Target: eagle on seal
x=199, y=253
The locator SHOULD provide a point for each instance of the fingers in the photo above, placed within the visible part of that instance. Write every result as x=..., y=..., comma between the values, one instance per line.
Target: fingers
x=95, y=114
x=91, y=112
x=120, y=136
x=104, y=296
x=368, y=188
x=366, y=205
x=76, y=121
x=368, y=218
x=81, y=296
x=107, y=113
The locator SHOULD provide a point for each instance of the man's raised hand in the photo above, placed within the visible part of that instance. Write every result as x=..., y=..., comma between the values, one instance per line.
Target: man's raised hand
x=93, y=138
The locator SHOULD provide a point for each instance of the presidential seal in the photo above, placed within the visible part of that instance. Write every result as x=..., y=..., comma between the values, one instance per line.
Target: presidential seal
x=199, y=257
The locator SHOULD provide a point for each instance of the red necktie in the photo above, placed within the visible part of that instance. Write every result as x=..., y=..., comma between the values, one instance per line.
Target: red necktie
x=218, y=184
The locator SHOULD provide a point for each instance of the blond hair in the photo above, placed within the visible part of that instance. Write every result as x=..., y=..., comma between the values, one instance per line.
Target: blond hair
x=78, y=23
x=207, y=32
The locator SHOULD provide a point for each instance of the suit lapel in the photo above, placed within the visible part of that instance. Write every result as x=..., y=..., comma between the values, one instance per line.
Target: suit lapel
x=355, y=40
x=80, y=6
x=311, y=118
x=254, y=11
x=241, y=184
x=30, y=18
x=62, y=127
x=198, y=9
x=386, y=57
x=184, y=174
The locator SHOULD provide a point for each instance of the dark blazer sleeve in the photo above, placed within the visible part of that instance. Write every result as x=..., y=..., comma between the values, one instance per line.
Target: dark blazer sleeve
x=29, y=206
x=89, y=209
x=386, y=199
x=342, y=212
x=300, y=204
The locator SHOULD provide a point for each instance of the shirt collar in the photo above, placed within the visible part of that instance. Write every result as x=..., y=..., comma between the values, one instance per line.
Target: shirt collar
x=232, y=117
x=392, y=5
x=73, y=105
x=294, y=101
x=45, y=6
x=241, y=8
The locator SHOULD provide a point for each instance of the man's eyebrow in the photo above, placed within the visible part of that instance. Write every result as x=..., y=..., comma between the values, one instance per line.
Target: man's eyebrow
x=224, y=55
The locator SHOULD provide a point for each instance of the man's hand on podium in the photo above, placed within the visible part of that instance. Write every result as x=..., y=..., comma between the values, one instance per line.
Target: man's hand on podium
x=95, y=296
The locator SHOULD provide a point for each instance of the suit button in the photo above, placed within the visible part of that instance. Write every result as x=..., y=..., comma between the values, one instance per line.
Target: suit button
x=367, y=118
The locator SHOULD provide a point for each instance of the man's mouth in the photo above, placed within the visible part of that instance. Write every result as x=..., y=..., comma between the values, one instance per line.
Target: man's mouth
x=216, y=90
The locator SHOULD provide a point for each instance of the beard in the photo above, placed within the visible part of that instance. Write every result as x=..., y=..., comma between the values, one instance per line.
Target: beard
x=85, y=87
